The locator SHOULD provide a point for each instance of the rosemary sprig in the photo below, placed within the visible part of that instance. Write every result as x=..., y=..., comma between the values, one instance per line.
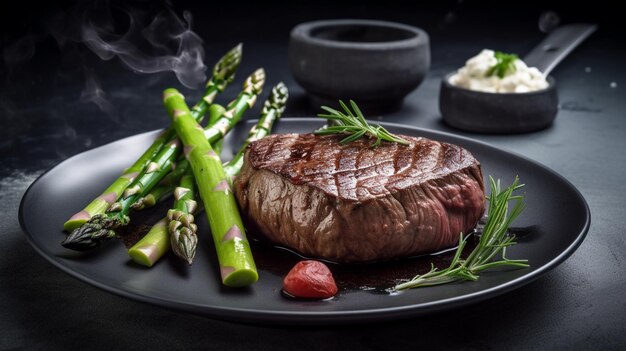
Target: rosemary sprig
x=505, y=63
x=354, y=123
x=493, y=240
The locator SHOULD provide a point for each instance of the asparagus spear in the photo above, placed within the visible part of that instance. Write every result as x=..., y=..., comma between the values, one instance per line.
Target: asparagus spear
x=237, y=266
x=183, y=232
x=152, y=246
x=172, y=179
x=180, y=219
x=223, y=73
x=161, y=191
x=156, y=243
x=102, y=227
x=217, y=146
x=273, y=108
x=221, y=120
x=181, y=225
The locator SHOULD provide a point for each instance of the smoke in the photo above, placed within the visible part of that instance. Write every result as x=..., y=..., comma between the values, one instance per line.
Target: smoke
x=548, y=20
x=94, y=93
x=147, y=37
x=452, y=15
x=169, y=44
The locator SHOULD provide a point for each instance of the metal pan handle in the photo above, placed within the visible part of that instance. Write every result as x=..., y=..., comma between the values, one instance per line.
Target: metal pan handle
x=557, y=45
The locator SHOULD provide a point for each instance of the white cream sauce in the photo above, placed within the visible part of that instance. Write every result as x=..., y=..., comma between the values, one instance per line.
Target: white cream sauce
x=473, y=76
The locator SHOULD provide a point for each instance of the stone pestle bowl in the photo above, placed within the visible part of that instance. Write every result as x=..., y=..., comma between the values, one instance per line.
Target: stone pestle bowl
x=375, y=63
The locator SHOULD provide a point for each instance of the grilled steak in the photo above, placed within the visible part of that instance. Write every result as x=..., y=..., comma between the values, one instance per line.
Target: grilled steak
x=352, y=203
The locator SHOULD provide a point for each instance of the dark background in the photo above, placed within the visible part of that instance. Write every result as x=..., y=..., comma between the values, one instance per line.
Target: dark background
x=41, y=72
x=47, y=114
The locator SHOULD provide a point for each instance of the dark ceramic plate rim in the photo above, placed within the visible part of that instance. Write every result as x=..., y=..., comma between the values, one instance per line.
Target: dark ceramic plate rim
x=304, y=317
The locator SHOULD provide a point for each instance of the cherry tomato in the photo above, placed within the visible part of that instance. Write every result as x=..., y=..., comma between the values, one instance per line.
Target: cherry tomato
x=310, y=279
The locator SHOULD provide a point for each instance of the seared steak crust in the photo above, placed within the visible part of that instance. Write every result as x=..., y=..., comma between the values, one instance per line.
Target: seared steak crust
x=352, y=203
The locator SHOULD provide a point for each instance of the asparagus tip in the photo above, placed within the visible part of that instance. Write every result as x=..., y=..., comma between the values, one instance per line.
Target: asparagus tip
x=259, y=73
x=226, y=67
x=91, y=234
x=254, y=83
x=184, y=244
x=184, y=239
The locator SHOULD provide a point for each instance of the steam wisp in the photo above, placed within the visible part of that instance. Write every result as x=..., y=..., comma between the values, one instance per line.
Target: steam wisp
x=167, y=41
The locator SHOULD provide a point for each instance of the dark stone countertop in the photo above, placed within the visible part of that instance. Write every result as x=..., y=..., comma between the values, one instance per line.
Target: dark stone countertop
x=579, y=305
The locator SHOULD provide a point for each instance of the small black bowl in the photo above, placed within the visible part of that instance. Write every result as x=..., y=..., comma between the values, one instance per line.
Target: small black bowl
x=375, y=63
x=484, y=112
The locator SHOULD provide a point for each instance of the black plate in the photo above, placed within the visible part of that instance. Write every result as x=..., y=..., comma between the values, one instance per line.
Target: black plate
x=556, y=212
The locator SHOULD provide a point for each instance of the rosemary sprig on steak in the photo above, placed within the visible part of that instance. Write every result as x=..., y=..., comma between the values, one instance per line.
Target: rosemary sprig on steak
x=493, y=241
x=354, y=123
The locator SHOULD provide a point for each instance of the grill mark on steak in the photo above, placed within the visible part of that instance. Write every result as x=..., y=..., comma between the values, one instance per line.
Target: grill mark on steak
x=351, y=203
x=396, y=159
x=298, y=152
x=334, y=172
x=271, y=149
